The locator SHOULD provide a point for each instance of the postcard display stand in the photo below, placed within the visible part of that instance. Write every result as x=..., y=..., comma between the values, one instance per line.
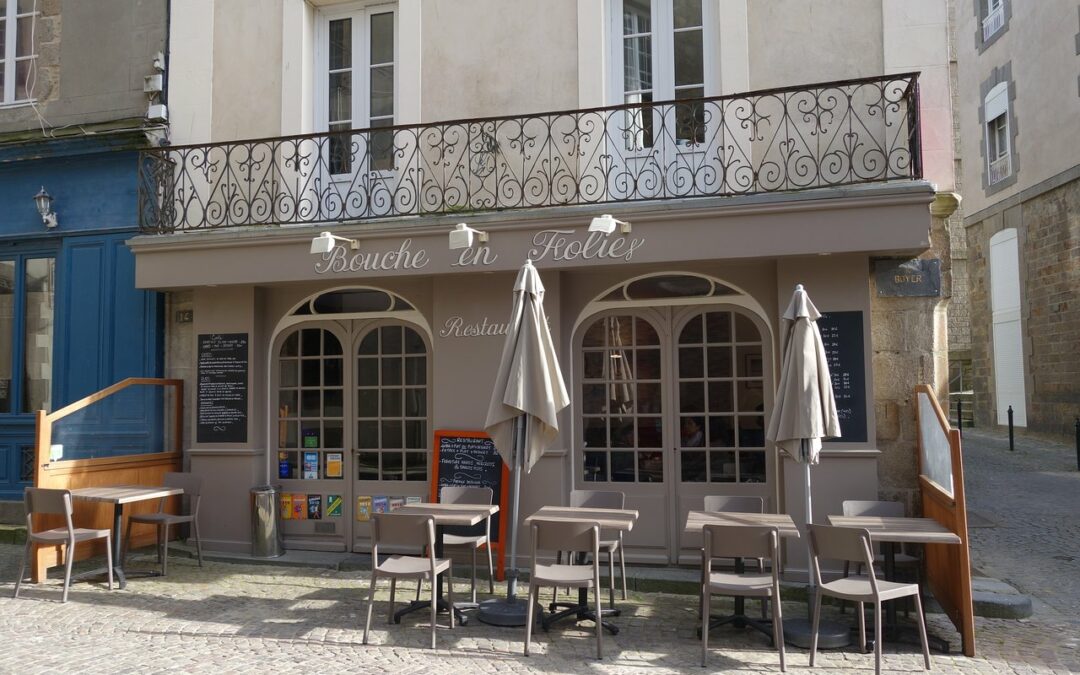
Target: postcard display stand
x=469, y=459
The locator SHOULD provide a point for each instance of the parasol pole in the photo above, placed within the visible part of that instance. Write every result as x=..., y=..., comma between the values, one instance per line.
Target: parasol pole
x=518, y=466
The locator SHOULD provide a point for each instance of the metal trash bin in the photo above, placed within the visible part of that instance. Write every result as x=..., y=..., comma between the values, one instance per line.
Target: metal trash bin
x=266, y=541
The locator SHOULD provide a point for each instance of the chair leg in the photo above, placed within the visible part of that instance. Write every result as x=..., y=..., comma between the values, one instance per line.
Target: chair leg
x=534, y=596
x=814, y=626
x=370, y=606
x=847, y=570
x=393, y=589
x=922, y=631
x=622, y=565
x=450, y=593
x=877, y=637
x=472, y=587
x=599, y=623
x=69, y=558
x=706, y=601
x=860, y=608
x=555, y=589
x=198, y=540
x=164, y=549
x=22, y=566
x=491, y=570
x=611, y=578
x=434, y=610
x=778, y=627
x=419, y=585
x=108, y=558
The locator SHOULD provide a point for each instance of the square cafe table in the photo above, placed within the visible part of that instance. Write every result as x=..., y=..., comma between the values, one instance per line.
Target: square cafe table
x=118, y=496
x=892, y=531
x=444, y=514
x=609, y=519
x=695, y=524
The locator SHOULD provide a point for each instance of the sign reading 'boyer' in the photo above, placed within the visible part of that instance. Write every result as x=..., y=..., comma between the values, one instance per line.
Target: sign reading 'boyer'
x=554, y=245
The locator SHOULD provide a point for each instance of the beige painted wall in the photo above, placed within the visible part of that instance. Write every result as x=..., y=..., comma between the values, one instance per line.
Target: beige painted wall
x=1040, y=43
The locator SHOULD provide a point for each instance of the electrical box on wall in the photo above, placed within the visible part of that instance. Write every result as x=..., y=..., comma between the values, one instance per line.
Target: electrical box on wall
x=157, y=112
x=152, y=84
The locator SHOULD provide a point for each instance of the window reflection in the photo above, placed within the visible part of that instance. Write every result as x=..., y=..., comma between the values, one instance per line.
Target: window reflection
x=38, y=334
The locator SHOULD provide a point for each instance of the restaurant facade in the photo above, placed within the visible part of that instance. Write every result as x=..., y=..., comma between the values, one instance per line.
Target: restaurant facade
x=329, y=373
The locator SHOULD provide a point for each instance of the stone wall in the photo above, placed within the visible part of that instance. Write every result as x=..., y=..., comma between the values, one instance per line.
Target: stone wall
x=180, y=351
x=909, y=339
x=1048, y=227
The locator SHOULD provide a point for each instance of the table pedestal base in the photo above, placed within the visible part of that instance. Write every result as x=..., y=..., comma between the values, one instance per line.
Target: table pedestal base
x=442, y=607
x=580, y=611
x=831, y=635
x=506, y=611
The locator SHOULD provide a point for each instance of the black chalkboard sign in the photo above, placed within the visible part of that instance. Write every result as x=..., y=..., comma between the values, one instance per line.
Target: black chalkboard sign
x=469, y=459
x=222, y=397
x=842, y=335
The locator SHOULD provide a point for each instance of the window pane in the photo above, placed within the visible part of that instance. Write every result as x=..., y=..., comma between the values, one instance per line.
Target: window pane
x=367, y=466
x=720, y=399
x=691, y=397
x=382, y=38
x=391, y=339
x=693, y=466
x=594, y=399
x=391, y=371
x=721, y=432
x=691, y=432
x=370, y=344
x=637, y=63
x=414, y=344
x=745, y=330
x=648, y=398
x=289, y=347
x=690, y=116
x=719, y=361
x=594, y=365
x=391, y=434
x=367, y=434
x=340, y=97
x=650, y=467
x=622, y=467
x=595, y=466
x=646, y=334
x=415, y=466
x=288, y=373
x=691, y=332
x=22, y=79
x=637, y=16
x=594, y=430
x=309, y=403
x=367, y=403
x=416, y=402
x=333, y=434
x=391, y=466
x=751, y=431
x=650, y=432
x=381, y=146
x=309, y=372
x=24, y=46
x=648, y=364
x=722, y=467
x=39, y=334
x=332, y=372
x=689, y=58
x=687, y=13
x=691, y=362
x=340, y=44
x=341, y=149
x=7, y=326
x=415, y=434
x=416, y=370
x=751, y=467
x=391, y=403
x=3, y=39
x=333, y=405
x=287, y=403
x=622, y=433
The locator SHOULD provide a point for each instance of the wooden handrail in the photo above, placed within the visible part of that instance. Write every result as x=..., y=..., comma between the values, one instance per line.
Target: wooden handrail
x=109, y=391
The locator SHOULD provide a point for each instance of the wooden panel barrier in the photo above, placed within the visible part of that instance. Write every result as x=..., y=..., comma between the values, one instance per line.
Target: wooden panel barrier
x=143, y=469
x=948, y=567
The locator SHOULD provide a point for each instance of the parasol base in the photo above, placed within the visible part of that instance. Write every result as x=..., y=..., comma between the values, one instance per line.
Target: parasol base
x=831, y=635
x=506, y=612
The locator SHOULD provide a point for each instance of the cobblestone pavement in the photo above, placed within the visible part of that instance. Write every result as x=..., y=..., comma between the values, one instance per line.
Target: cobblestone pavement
x=226, y=618
x=1024, y=518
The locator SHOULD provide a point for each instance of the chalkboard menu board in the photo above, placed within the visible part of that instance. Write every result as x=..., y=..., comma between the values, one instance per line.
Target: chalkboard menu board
x=842, y=335
x=469, y=459
x=222, y=399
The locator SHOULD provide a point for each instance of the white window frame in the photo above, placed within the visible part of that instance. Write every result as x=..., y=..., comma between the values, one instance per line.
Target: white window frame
x=361, y=14
x=8, y=60
x=998, y=154
x=994, y=21
x=663, y=51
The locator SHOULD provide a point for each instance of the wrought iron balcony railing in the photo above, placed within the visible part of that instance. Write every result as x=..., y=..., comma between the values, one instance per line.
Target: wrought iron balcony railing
x=813, y=136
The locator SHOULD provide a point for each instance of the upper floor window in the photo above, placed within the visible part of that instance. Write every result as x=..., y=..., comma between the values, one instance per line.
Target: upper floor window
x=661, y=51
x=998, y=144
x=356, y=57
x=16, y=49
x=994, y=19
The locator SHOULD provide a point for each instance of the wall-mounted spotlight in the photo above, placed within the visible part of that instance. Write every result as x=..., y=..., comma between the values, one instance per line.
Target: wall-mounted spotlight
x=606, y=224
x=325, y=242
x=44, y=206
x=462, y=236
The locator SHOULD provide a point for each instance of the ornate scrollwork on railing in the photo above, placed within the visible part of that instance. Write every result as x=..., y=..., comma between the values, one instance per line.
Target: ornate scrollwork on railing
x=814, y=136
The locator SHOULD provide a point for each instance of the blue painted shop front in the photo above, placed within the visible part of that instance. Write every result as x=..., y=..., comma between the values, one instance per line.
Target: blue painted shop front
x=71, y=320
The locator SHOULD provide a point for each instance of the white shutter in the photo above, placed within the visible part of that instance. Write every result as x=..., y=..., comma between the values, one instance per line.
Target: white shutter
x=1008, y=336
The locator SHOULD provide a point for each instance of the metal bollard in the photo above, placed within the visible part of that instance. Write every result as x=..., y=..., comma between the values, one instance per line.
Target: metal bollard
x=960, y=416
x=1077, y=426
x=1011, y=446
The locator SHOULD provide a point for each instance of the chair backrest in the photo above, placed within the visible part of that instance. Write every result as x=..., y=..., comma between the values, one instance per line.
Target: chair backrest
x=854, y=507
x=403, y=530
x=47, y=501
x=597, y=499
x=553, y=534
x=740, y=541
x=733, y=504
x=465, y=495
x=849, y=544
x=190, y=483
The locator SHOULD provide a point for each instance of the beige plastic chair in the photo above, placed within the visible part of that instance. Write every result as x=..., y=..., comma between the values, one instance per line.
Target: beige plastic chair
x=609, y=543
x=402, y=530
x=853, y=545
x=741, y=541
x=554, y=534
x=58, y=502
x=733, y=504
x=192, y=487
x=469, y=495
x=881, y=509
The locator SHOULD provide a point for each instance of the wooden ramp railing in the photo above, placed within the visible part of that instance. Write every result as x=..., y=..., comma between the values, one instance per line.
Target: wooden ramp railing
x=941, y=479
x=120, y=469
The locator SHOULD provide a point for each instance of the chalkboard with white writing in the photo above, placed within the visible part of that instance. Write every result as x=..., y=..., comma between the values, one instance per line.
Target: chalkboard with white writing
x=842, y=336
x=469, y=459
x=222, y=396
